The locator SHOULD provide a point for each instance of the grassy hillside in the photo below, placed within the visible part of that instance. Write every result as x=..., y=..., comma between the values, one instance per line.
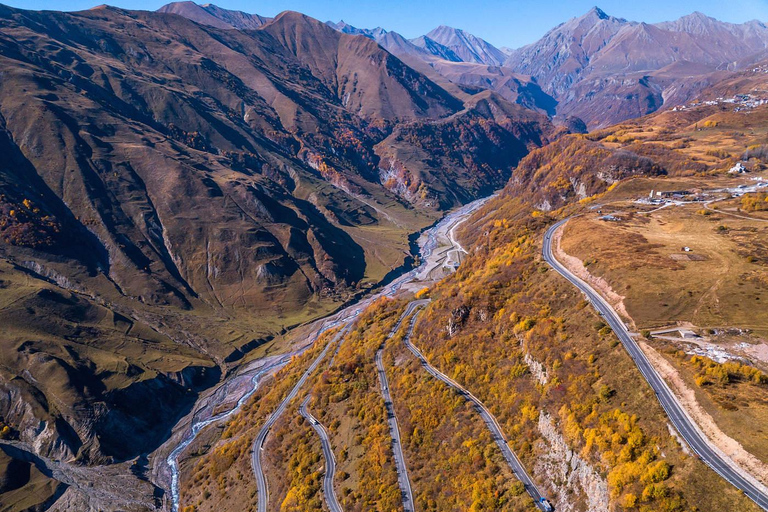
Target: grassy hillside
x=524, y=341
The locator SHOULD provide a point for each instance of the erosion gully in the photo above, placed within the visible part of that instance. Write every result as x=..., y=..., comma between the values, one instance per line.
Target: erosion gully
x=241, y=386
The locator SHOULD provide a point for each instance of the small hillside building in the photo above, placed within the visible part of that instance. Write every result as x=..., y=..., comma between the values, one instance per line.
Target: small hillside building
x=738, y=169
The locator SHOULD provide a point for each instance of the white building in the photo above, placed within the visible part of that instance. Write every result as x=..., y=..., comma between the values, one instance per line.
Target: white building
x=738, y=169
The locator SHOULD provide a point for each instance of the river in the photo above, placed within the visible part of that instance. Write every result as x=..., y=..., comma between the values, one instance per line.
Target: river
x=246, y=382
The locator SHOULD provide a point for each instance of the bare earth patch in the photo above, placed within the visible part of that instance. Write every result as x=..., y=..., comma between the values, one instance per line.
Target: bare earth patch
x=576, y=266
x=688, y=257
x=758, y=351
x=687, y=399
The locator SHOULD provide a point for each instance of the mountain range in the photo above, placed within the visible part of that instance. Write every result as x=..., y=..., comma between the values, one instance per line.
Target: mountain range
x=183, y=188
x=176, y=182
x=596, y=67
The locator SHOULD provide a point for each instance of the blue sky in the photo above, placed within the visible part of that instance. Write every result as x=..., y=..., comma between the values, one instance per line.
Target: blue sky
x=510, y=23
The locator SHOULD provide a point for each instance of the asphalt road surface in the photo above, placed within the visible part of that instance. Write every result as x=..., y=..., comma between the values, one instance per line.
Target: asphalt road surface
x=430, y=259
x=394, y=430
x=258, y=445
x=699, y=443
x=498, y=436
x=330, y=461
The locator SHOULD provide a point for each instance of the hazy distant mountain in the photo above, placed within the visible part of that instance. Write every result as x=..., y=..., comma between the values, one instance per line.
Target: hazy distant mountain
x=209, y=14
x=434, y=48
x=345, y=27
x=463, y=78
x=606, y=69
x=443, y=42
x=695, y=38
x=559, y=58
x=467, y=47
x=423, y=47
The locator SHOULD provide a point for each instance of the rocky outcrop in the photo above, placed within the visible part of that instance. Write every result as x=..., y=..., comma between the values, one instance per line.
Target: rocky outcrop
x=571, y=476
x=456, y=320
x=117, y=425
x=537, y=369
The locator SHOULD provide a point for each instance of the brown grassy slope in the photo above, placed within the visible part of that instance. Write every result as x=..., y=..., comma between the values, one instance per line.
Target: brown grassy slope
x=574, y=168
x=92, y=378
x=366, y=79
x=238, y=213
x=23, y=487
x=205, y=159
x=217, y=186
x=504, y=303
x=738, y=404
x=720, y=288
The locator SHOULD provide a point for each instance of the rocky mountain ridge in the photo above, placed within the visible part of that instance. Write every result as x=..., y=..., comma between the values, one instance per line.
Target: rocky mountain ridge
x=180, y=195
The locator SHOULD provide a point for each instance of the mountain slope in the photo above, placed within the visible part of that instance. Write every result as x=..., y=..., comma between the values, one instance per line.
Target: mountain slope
x=343, y=26
x=214, y=16
x=180, y=195
x=605, y=69
x=558, y=59
x=467, y=47
x=463, y=79
x=363, y=78
x=434, y=48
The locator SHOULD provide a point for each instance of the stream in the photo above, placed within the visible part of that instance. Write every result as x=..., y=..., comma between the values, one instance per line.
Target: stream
x=428, y=242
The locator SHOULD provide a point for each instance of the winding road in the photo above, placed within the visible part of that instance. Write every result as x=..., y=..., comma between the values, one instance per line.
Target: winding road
x=394, y=430
x=731, y=214
x=698, y=442
x=258, y=445
x=490, y=420
x=201, y=417
x=330, y=460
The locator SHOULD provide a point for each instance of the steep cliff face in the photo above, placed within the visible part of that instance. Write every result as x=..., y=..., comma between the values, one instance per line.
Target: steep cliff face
x=577, y=481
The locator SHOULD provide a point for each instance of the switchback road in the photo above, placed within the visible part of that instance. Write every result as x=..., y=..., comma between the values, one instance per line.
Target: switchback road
x=197, y=421
x=490, y=420
x=699, y=443
x=394, y=430
x=258, y=445
x=330, y=461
